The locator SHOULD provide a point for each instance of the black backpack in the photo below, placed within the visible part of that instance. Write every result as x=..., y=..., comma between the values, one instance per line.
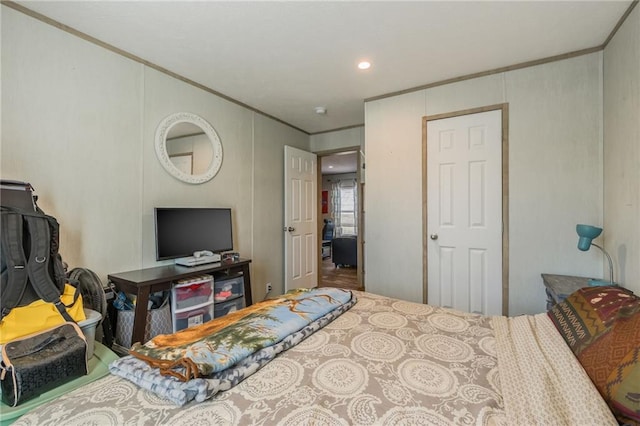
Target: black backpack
x=27, y=231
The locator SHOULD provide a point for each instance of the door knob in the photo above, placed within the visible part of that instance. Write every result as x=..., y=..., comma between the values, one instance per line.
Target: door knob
x=290, y=229
x=433, y=236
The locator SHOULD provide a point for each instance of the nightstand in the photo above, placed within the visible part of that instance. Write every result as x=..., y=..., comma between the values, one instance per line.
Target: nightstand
x=558, y=287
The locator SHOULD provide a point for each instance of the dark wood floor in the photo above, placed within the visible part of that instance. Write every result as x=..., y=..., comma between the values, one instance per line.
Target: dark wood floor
x=342, y=277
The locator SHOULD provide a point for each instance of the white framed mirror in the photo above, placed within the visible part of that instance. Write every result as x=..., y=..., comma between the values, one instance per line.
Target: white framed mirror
x=188, y=147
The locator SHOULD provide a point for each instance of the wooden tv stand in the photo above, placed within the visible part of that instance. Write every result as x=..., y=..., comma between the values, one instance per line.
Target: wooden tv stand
x=143, y=282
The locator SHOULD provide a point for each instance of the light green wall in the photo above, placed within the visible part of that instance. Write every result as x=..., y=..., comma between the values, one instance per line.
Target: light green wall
x=622, y=151
x=393, y=197
x=555, y=175
x=231, y=187
x=78, y=122
x=339, y=139
x=72, y=125
x=268, y=201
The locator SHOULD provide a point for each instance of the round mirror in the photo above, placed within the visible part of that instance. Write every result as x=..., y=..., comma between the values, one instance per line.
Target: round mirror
x=188, y=147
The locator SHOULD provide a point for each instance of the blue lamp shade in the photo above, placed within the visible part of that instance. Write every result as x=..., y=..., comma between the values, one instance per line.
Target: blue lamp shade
x=586, y=234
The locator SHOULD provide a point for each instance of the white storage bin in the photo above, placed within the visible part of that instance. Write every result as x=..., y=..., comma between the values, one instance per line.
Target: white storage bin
x=228, y=288
x=193, y=317
x=192, y=292
x=222, y=309
x=88, y=327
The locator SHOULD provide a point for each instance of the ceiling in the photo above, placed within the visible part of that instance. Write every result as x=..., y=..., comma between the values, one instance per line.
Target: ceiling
x=284, y=59
x=342, y=162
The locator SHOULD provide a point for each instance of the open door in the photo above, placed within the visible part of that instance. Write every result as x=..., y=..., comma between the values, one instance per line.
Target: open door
x=300, y=222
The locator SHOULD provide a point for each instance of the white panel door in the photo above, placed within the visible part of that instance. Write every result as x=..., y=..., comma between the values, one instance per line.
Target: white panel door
x=300, y=226
x=464, y=212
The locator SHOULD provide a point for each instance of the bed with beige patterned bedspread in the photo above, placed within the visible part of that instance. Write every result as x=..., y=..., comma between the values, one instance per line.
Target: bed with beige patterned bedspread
x=385, y=361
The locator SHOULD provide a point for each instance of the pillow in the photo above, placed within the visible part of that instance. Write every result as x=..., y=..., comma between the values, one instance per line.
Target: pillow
x=601, y=325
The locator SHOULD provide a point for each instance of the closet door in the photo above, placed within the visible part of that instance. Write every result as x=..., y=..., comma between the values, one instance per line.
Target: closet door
x=464, y=212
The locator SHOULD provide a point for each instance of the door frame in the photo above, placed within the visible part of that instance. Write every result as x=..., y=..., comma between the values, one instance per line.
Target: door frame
x=504, y=107
x=360, y=237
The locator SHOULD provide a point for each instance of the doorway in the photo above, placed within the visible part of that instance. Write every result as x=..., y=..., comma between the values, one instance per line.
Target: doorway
x=465, y=210
x=340, y=220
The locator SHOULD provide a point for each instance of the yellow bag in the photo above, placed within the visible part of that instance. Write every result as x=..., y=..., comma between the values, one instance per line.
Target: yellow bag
x=39, y=315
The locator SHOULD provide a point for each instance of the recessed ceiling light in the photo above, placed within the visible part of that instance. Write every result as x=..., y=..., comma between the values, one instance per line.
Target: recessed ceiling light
x=331, y=167
x=364, y=65
x=320, y=110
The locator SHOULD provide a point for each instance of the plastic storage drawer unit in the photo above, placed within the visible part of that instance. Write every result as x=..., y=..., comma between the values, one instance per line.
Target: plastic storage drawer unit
x=224, y=308
x=192, y=292
x=186, y=319
x=228, y=288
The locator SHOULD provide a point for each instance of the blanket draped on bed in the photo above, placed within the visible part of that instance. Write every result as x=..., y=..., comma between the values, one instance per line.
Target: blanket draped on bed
x=542, y=382
x=229, y=349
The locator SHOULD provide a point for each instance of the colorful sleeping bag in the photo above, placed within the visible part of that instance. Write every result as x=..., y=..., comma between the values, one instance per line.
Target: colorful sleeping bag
x=199, y=361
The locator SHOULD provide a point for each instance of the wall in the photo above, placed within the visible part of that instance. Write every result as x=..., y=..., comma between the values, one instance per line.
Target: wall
x=268, y=200
x=78, y=123
x=555, y=175
x=622, y=152
x=337, y=140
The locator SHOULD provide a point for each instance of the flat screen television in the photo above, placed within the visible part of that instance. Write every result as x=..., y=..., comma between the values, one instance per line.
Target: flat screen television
x=181, y=231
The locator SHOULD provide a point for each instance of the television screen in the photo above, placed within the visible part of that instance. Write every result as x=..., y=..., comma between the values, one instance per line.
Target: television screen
x=182, y=231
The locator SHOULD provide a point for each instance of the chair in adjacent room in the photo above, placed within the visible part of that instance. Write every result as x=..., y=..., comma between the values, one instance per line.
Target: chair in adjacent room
x=327, y=236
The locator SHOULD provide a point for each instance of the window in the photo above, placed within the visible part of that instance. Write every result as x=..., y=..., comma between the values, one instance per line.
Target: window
x=345, y=204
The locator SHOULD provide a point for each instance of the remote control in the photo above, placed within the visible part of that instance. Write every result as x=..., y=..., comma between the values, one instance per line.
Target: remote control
x=202, y=253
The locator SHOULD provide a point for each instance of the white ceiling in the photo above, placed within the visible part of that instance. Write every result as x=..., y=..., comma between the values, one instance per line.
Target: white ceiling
x=286, y=58
x=343, y=162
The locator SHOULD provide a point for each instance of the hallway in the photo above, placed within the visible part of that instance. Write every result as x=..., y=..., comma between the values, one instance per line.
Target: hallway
x=343, y=277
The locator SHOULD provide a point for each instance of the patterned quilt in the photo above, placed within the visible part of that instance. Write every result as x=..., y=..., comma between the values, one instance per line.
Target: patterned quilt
x=383, y=362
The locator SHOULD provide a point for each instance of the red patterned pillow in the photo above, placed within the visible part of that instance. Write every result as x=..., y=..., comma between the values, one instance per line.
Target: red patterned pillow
x=601, y=325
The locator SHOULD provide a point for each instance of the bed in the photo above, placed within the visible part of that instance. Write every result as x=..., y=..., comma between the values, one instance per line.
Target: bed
x=388, y=361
